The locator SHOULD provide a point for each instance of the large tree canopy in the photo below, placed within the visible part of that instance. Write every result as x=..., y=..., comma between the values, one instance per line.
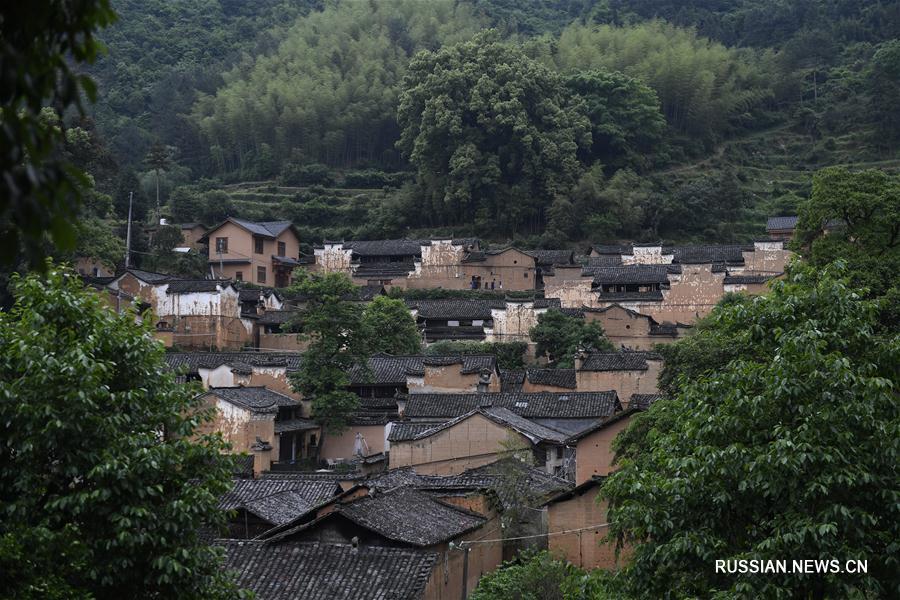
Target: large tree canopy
x=493, y=134
x=104, y=487
x=784, y=447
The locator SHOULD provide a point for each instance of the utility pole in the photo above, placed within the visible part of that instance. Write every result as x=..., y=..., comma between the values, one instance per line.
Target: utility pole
x=128, y=233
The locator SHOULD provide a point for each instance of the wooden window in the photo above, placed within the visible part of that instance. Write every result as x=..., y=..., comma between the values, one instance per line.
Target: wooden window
x=239, y=276
x=258, y=245
x=260, y=274
x=282, y=249
x=222, y=245
x=526, y=274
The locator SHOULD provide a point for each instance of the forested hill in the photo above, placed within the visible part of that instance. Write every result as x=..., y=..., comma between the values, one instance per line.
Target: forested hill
x=565, y=120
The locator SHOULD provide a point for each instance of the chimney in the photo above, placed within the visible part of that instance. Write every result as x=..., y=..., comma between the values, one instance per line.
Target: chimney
x=401, y=403
x=484, y=381
x=580, y=355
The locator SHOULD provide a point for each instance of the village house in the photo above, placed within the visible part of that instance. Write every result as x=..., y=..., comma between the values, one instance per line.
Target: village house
x=577, y=526
x=439, y=263
x=264, y=253
x=260, y=422
x=476, y=438
x=631, y=330
x=258, y=505
x=673, y=285
x=190, y=313
x=316, y=571
x=781, y=228
x=411, y=519
x=506, y=320
x=626, y=373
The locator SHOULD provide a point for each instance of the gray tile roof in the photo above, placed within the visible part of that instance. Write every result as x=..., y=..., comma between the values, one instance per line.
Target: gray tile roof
x=256, y=399
x=410, y=517
x=277, y=317
x=191, y=361
x=730, y=254
x=745, y=279
x=403, y=431
x=489, y=476
x=386, y=247
x=455, y=308
x=288, y=571
x=270, y=229
x=612, y=248
x=605, y=260
x=194, y=286
x=778, y=223
x=643, y=401
x=295, y=425
x=634, y=274
x=651, y=296
x=552, y=257
x=511, y=381
x=534, y=405
x=564, y=378
x=618, y=361
x=278, y=501
x=503, y=416
x=385, y=369
x=384, y=269
x=151, y=277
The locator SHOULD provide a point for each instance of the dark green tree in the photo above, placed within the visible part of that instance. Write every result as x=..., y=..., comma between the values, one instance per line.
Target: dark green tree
x=105, y=485
x=559, y=336
x=786, y=447
x=861, y=213
x=493, y=134
x=333, y=325
x=389, y=327
x=540, y=576
x=128, y=183
x=626, y=122
x=40, y=43
x=884, y=90
x=510, y=355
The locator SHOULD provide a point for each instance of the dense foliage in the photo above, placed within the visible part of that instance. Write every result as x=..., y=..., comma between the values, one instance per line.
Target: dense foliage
x=779, y=440
x=560, y=336
x=389, y=327
x=40, y=191
x=333, y=325
x=493, y=134
x=104, y=487
x=540, y=576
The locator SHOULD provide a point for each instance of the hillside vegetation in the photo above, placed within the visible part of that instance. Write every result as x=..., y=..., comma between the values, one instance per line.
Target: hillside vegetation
x=686, y=121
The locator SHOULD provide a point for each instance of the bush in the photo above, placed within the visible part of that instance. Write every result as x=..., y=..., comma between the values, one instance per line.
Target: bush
x=313, y=174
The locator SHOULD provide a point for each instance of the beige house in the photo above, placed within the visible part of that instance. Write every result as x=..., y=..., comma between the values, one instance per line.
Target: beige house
x=477, y=438
x=627, y=373
x=263, y=253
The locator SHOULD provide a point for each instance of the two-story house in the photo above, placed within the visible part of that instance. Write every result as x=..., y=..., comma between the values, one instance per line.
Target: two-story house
x=262, y=253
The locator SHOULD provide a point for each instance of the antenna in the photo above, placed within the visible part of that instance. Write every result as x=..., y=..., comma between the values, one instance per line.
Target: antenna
x=128, y=232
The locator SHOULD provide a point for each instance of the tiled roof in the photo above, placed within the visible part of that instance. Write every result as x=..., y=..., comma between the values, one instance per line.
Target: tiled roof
x=150, y=276
x=564, y=378
x=617, y=361
x=270, y=229
x=489, y=476
x=455, y=308
x=278, y=501
x=745, y=279
x=194, y=286
x=410, y=517
x=295, y=425
x=287, y=571
x=605, y=260
x=635, y=274
x=366, y=293
x=385, y=369
x=503, y=416
x=257, y=399
x=706, y=254
x=242, y=465
x=531, y=405
x=402, y=431
x=778, y=223
x=511, y=381
x=386, y=247
x=643, y=401
x=384, y=269
x=191, y=361
x=649, y=296
x=277, y=317
x=552, y=257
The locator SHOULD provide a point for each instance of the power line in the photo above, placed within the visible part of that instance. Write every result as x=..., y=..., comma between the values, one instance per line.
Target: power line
x=538, y=535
